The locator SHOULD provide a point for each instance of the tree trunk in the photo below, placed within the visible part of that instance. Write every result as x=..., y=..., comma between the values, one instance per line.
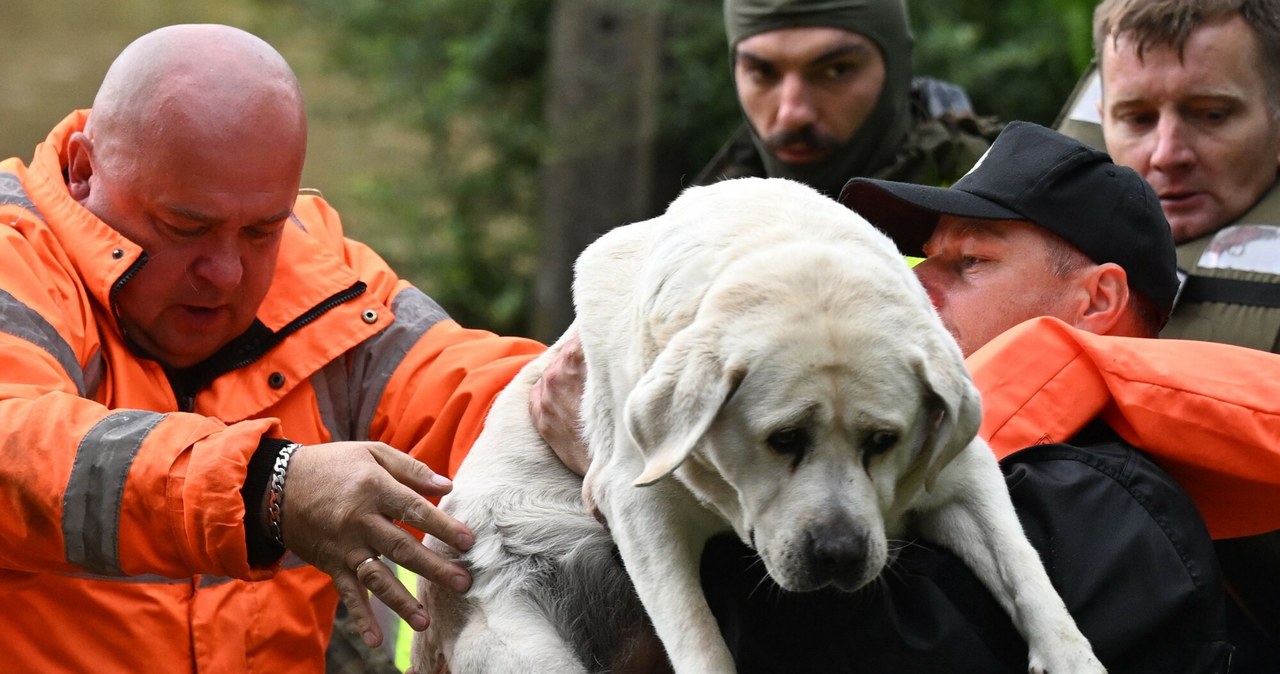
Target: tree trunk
x=601, y=108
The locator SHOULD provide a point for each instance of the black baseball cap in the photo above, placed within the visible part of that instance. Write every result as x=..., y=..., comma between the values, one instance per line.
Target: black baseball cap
x=1032, y=173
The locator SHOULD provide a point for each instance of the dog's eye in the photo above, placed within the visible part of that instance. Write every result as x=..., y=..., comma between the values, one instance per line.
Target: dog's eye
x=789, y=441
x=879, y=442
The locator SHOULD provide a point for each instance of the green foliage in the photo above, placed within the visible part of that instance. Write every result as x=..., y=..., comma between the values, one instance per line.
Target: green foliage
x=1018, y=60
x=699, y=108
x=471, y=74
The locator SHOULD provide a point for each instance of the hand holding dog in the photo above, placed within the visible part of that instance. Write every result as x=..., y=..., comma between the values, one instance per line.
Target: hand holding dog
x=555, y=404
x=342, y=502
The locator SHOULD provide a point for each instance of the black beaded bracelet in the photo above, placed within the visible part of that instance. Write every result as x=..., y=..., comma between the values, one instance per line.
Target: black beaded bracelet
x=275, y=492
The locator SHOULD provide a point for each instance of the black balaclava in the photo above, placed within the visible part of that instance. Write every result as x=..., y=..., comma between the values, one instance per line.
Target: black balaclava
x=884, y=22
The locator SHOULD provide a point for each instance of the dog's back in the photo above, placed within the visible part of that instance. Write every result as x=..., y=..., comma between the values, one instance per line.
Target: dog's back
x=651, y=267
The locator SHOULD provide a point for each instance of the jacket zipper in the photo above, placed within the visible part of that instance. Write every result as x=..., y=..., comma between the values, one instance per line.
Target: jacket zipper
x=301, y=321
x=185, y=395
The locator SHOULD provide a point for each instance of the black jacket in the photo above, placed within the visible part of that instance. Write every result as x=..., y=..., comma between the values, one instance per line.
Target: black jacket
x=1121, y=541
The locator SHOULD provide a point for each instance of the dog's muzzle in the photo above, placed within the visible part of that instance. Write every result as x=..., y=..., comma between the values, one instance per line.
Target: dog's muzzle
x=836, y=554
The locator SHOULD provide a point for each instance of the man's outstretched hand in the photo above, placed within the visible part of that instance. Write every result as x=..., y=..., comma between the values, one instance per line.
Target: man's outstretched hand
x=342, y=502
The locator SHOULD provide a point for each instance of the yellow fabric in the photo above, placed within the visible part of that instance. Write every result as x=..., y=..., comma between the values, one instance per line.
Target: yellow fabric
x=404, y=633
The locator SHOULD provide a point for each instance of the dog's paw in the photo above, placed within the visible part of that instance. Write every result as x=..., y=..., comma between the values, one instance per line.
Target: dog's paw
x=1069, y=660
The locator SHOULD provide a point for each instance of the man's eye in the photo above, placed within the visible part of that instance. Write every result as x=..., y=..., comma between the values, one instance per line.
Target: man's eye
x=1139, y=120
x=187, y=232
x=262, y=233
x=759, y=72
x=969, y=262
x=1215, y=115
x=835, y=71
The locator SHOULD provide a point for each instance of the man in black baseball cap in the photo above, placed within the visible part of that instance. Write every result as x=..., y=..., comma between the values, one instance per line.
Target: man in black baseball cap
x=1042, y=225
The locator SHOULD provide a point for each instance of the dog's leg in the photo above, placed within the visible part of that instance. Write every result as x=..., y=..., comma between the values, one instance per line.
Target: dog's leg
x=980, y=525
x=660, y=531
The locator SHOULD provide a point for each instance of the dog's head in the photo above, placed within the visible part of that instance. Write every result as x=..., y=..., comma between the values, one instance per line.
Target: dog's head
x=812, y=401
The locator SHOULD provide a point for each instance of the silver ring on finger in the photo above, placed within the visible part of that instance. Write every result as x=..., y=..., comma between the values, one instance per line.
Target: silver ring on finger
x=366, y=560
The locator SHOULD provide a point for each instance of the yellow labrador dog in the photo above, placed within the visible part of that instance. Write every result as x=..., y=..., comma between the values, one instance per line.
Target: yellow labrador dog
x=760, y=359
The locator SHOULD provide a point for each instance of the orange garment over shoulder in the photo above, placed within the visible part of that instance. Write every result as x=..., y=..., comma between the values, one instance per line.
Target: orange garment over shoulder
x=1207, y=413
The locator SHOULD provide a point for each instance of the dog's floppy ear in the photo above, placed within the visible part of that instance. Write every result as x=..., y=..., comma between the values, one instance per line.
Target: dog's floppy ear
x=674, y=403
x=952, y=414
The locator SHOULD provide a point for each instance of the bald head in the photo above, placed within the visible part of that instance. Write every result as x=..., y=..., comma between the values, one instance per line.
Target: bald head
x=197, y=82
x=194, y=152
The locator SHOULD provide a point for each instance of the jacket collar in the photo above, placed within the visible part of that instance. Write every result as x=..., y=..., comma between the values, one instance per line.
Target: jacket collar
x=310, y=272
x=307, y=273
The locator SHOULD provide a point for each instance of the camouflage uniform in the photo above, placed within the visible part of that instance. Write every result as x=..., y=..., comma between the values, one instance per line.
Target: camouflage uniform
x=1231, y=293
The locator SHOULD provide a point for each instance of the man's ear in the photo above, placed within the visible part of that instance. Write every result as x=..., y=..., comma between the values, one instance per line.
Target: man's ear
x=1106, y=289
x=79, y=165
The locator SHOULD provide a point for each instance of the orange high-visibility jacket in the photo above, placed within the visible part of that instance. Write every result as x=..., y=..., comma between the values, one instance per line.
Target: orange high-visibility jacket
x=1208, y=414
x=122, y=538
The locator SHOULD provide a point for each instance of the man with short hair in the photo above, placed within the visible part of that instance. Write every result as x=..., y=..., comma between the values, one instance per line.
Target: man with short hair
x=1043, y=226
x=215, y=409
x=827, y=93
x=1190, y=98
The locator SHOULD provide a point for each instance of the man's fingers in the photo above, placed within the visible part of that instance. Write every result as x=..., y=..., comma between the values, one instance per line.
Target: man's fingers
x=356, y=599
x=555, y=404
x=410, y=472
x=423, y=561
x=382, y=582
x=419, y=513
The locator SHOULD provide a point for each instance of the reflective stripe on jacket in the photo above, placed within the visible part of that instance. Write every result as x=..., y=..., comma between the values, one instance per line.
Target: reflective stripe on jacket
x=1207, y=413
x=123, y=548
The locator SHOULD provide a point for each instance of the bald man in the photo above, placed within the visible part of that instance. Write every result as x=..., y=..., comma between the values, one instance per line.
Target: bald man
x=206, y=386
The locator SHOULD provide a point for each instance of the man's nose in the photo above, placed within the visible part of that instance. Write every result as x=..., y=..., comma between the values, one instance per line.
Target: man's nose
x=795, y=103
x=1172, y=145
x=220, y=265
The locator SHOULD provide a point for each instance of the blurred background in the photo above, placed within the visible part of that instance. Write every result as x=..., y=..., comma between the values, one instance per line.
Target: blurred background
x=478, y=144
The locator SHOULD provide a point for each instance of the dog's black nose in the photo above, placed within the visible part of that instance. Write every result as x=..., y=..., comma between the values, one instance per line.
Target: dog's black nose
x=837, y=554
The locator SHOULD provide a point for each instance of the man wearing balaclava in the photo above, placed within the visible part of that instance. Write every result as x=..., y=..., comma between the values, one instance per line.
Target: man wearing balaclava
x=827, y=92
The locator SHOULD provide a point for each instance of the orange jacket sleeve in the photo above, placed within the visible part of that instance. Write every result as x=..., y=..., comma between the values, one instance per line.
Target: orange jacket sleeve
x=436, y=402
x=444, y=376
